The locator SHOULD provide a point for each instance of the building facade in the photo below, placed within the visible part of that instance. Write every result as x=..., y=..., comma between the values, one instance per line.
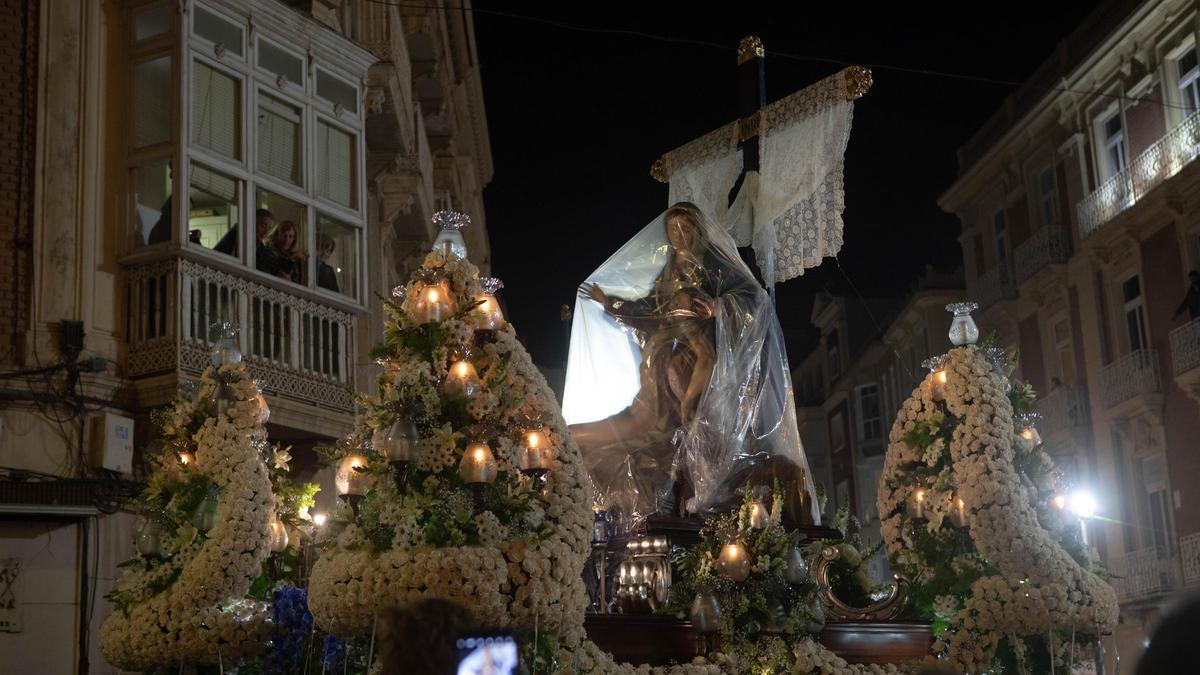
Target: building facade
x=850, y=387
x=1080, y=209
x=149, y=149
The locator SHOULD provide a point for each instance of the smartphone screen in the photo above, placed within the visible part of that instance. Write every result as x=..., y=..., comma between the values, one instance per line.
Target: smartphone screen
x=494, y=654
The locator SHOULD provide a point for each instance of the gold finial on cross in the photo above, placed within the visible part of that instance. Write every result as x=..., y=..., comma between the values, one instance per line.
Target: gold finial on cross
x=858, y=81
x=750, y=47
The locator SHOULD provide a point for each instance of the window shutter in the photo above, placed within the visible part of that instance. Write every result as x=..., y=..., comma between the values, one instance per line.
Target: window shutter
x=335, y=165
x=278, y=146
x=214, y=110
x=214, y=184
x=152, y=102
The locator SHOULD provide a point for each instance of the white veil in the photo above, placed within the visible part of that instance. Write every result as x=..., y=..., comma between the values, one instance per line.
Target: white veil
x=744, y=420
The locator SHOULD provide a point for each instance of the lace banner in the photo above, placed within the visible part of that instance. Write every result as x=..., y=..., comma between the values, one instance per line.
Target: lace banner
x=791, y=212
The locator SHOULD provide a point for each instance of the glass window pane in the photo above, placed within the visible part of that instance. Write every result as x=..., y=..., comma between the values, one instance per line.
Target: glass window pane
x=335, y=165
x=151, y=186
x=281, y=62
x=279, y=140
x=337, y=91
x=336, y=253
x=213, y=211
x=216, y=101
x=151, y=21
x=283, y=250
x=219, y=31
x=152, y=102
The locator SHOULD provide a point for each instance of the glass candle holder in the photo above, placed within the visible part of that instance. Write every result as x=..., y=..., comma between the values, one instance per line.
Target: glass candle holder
x=963, y=330
x=398, y=441
x=734, y=562
x=958, y=512
x=1030, y=437
x=434, y=303
x=916, y=503
x=488, y=315
x=478, y=464
x=350, y=479
x=461, y=380
x=535, y=452
x=758, y=515
x=223, y=337
x=279, y=535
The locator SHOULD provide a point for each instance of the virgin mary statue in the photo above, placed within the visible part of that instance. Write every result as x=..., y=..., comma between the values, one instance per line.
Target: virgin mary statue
x=677, y=386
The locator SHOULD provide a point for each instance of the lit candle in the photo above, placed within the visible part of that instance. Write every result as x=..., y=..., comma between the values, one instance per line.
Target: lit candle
x=433, y=304
x=279, y=535
x=461, y=380
x=350, y=479
x=758, y=515
x=959, y=516
x=734, y=562
x=186, y=458
x=489, y=316
x=535, y=452
x=1060, y=501
x=937, y=384
x=319, y=518
x=918, y=503
x=478, y=464
x=264, y=411
x=1030, y=437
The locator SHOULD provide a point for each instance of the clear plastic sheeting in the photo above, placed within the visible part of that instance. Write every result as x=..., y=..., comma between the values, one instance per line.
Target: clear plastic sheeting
x=677, y=386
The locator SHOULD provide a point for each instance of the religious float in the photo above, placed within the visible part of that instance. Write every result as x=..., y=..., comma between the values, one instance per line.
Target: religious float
x=664, y=520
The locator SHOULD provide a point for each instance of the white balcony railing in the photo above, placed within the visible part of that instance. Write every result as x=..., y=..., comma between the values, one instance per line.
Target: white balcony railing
x=1189, y=557
x=1185, y=347
x=1134, y=374
x=300, y=349
x=1064, y=409
x=1047, y=246
x=1155, y=165
x=1143, y=574
x=993, y=285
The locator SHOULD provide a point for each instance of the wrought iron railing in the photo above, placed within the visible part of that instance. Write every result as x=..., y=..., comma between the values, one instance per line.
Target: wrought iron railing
x=1047, y=246
x=1143, y=574
x=1063, y=409
x=1155, y=165
x=995, y=284
x=1185, y=347
x=299, y=348
x=1189, y=557
x=1134, y=374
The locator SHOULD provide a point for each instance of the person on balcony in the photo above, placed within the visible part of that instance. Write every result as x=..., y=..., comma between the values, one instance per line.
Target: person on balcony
x=264, y=220
x=284, y=259
x=1191, y=301
x=326, y=274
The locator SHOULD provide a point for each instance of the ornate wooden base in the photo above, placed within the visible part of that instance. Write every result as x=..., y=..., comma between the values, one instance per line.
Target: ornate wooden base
x=660, y=640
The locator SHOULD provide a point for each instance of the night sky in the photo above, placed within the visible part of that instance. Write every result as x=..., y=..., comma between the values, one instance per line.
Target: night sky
x=576, y=118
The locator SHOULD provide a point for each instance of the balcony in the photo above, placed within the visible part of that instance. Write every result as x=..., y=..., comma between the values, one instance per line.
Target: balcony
x=1048, y=246
x=1185, y=347
x=1154, y=166
x=1189, y=558
x=1143, y=575
x=301, y=350
x=1132, y=375
x=1064, y=421
x=993, y=285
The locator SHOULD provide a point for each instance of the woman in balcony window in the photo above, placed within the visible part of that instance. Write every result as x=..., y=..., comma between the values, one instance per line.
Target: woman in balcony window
x=284, y=258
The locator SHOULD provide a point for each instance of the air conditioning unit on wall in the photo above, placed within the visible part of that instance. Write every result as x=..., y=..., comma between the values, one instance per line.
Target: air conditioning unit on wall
x=112, y=443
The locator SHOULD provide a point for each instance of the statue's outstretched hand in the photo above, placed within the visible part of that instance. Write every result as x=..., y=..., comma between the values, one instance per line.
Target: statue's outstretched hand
x=593, y=292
